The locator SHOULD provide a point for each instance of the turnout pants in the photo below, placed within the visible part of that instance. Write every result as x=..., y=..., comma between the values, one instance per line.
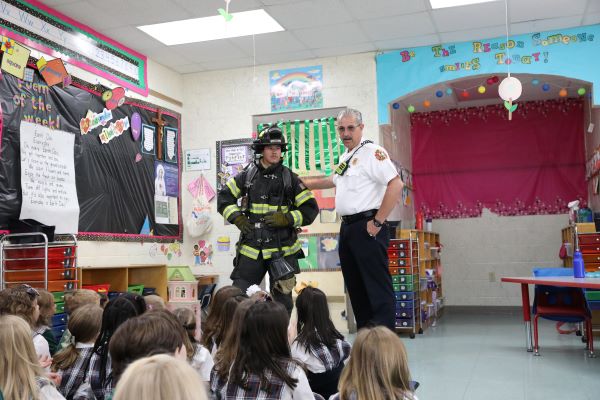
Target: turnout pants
x=248, y=272
x=364, y=262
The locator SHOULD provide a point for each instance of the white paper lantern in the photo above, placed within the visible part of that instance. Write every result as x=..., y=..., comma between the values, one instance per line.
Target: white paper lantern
x=510, y=89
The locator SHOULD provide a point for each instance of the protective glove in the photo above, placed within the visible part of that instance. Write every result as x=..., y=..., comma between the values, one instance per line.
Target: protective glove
x=279, y=220
x=241, y=221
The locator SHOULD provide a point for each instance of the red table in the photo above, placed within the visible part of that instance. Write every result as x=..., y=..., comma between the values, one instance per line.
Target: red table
x=525, y=281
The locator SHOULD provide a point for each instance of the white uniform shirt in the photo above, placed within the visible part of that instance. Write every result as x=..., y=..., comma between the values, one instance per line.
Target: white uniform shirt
x=363, y=185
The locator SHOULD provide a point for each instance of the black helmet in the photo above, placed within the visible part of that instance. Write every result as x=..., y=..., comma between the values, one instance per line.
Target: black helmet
x=271, y=135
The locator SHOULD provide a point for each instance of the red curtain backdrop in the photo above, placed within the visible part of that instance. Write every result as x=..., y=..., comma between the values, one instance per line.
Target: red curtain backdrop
x=468, y=159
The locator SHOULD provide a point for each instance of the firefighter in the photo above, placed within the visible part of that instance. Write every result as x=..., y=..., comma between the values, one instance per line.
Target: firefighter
x=268, y=203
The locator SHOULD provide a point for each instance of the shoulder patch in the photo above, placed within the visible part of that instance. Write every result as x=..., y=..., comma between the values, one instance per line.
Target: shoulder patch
x=380, y=155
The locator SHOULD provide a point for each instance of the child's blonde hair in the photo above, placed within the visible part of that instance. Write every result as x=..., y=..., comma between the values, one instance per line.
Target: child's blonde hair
x=154, y=302
x=46, y=303
x=84, y=325
x=19, y=365
x=80, y=297
x=160, y=377
x=378, y=367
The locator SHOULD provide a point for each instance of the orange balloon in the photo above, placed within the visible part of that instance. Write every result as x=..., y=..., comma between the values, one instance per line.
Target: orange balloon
x=562, y=93
x=426, y=103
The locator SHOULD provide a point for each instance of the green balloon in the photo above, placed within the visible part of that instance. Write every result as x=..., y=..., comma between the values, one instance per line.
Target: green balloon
x=581, y=91
x=411, y=109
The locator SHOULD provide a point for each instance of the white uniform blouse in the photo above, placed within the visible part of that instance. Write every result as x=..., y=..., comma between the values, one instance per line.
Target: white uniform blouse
x=363, y=185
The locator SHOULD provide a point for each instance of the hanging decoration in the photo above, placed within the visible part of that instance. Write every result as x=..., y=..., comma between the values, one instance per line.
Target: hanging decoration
x=510, y=88
x=563, y=92
x=225, y=12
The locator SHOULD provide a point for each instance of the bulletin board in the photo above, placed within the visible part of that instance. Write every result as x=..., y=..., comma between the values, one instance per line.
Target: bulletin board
x=120, y=180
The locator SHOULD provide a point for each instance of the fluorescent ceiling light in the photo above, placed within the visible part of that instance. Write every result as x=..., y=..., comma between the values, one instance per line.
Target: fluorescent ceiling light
x=455, y=3
x=212, y=28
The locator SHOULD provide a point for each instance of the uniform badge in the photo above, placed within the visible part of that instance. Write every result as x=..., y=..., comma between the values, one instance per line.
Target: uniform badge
x=355, y=161
x=380, y=155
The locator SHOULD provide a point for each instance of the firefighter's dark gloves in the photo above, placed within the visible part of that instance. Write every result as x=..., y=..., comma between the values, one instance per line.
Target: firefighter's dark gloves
x=279, y=220
x=241, y=221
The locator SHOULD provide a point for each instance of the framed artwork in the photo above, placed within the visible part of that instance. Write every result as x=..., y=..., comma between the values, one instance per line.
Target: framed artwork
x=232, y=158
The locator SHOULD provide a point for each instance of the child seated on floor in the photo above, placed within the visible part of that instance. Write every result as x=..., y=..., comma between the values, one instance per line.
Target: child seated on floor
x=211, y=327
x=160, y=377
x=154, y=302
x=42, y=325
x=319, y=345
x=72, y=361
x=377, y=369
x=201, y=359
x=74, y=300
x=263, y=366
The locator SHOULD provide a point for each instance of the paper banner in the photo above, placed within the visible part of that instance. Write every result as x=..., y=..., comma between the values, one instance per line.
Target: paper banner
x=170, y=145
x=115, y=129
x=15, y=62
x=93, y=120
x=53, y=71
x=148, y=133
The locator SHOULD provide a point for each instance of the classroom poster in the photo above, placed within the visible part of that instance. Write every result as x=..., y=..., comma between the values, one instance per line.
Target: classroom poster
x=296, y=88
x=48, y=177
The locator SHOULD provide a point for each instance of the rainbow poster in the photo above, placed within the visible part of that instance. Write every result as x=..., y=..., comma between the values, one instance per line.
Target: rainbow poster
x=296, y=88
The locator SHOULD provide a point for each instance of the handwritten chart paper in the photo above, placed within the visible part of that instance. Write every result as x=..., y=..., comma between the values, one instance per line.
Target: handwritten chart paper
x=48, y=177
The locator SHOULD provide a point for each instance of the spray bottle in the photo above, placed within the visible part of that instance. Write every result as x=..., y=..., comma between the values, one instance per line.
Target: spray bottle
x=578, y=266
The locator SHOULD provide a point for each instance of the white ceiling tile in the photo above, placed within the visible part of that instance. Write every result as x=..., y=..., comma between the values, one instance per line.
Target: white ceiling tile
x=90, y=14
x=270, y=43
x=590, y=19
x=188, y=68
x=211, y=51
x=309, y=13
x=402, y=43
x=285, y=57
x=134, y=38
x=143, y=12
x=331, y=36
x=164, y=56
x=344, y=50
x=469, y=17
x=593, y=6
x=398, y=26
x=529, y=10
x=227, y=64
x=363, y=9
x=544, y=25
x=473, y=34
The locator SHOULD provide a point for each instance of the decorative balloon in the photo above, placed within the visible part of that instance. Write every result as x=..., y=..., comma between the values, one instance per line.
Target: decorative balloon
x=510, y=89
x=465, y=94
x=535, y=82
x=396, y=106
x=481, y=89
x=581, y=91
x=439, y=93
x=426, y=103
x=136, y=126
x=545, y=87
x=449, y=91
x=563, y=92
x=411, y=109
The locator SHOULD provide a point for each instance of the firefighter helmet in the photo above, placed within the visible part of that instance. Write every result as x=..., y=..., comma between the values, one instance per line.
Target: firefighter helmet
x=271, y=135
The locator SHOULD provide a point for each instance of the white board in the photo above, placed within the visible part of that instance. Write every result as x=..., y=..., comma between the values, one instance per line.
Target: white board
x=48, y=177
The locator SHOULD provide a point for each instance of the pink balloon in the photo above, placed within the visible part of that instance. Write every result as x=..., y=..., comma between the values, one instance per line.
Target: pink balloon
x=136, y=126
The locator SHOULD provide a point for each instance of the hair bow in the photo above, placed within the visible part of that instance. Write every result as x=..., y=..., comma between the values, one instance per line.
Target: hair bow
x=304, y=285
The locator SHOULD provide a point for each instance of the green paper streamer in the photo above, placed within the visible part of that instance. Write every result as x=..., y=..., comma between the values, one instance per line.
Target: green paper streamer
x=317, y=139
x=326, y=155
x=296, y=144
x=288, y=139
x=307, y=145
x=334, y=141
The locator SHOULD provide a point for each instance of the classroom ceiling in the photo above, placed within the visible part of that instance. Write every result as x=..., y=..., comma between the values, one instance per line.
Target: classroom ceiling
x=319, y=28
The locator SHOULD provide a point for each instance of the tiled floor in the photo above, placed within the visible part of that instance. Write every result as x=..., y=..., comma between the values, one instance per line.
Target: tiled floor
x=482, y=356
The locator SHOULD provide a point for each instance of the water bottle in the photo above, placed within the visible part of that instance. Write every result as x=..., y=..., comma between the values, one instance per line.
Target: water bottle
x=578, y=267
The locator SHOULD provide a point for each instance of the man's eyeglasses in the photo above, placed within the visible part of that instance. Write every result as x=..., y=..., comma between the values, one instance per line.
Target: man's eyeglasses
x=30, y=291
x=349, y=128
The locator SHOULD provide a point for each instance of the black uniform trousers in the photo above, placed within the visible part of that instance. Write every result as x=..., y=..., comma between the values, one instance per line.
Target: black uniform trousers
x=364, y=262
x=248, y=272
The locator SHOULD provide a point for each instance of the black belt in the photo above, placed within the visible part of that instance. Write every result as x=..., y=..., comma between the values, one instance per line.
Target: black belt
x=348, y=219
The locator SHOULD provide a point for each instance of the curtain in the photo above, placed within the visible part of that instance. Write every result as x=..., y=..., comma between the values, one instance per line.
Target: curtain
x=468, y=159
